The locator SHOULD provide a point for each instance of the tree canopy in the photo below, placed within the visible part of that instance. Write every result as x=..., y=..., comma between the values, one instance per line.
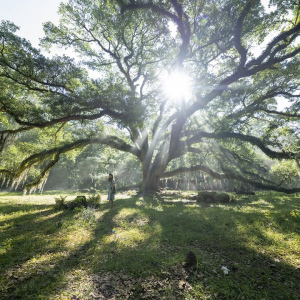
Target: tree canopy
x=239, y=120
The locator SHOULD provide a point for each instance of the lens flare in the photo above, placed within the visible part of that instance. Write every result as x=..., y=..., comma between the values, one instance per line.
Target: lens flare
x=177, y=86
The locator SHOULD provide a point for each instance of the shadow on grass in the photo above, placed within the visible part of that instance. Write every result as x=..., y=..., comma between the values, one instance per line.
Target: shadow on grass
x=144, y=237
x=10, y=209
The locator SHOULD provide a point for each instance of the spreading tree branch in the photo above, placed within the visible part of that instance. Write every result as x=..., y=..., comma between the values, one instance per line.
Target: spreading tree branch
x=54, y=154
x=228, y=175
x=246, y=138
x=238, y=33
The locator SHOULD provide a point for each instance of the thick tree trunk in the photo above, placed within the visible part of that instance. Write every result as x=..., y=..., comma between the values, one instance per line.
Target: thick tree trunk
x=154, y=168
x=151, y=183
x=150, y=180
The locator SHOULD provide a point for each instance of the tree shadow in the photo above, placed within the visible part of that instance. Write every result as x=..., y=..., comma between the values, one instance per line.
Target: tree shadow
x=10, y=209
x=27, y=237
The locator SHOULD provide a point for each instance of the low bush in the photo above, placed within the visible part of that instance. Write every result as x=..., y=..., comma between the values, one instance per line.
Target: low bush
x=213, y=197
x=207, y=197
x=60, y=203
x=80, y=201
x=94, y=200
x=222, y=197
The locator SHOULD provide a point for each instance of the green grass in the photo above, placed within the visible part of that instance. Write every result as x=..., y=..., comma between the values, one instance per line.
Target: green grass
x=136, y=250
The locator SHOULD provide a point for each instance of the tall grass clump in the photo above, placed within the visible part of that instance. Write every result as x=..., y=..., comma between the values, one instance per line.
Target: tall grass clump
x=87, y=216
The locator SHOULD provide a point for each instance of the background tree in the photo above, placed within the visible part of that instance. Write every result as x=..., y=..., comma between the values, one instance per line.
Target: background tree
x=89, y=169
x=115, y=95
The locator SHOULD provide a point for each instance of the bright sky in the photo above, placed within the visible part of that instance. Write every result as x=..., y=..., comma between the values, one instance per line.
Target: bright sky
x=30, y=15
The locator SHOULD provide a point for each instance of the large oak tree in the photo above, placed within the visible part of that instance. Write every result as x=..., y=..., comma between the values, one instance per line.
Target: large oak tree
x=241, y=58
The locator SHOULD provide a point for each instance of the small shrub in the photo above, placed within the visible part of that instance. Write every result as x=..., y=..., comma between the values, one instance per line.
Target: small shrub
x=206, y=197
x=94, y=200
x=60, y=203
x=213, y=197
x=80, y=201
x=222, y=198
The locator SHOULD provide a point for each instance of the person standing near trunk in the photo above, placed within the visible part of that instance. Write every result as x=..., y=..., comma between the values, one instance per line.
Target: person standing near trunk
x=111, y=190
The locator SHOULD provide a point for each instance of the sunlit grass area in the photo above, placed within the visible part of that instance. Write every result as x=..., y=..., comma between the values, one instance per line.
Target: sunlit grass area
x=137, y=249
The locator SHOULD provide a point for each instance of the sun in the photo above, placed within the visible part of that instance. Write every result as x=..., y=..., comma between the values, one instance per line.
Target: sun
x=177, y=86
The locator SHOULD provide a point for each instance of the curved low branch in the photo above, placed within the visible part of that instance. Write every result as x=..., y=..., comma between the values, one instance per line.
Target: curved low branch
x=241, y=163
x=106, y=112
x=6, y=173
x=43, y=175
x=229, y=175
x=191, y=169
x=112, y=141
x=28, y=125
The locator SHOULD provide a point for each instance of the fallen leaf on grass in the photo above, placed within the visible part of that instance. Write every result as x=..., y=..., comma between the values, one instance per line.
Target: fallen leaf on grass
x=181, y=284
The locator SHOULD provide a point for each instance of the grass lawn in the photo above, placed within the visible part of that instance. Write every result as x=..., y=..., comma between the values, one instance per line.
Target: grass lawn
x=137, y=249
